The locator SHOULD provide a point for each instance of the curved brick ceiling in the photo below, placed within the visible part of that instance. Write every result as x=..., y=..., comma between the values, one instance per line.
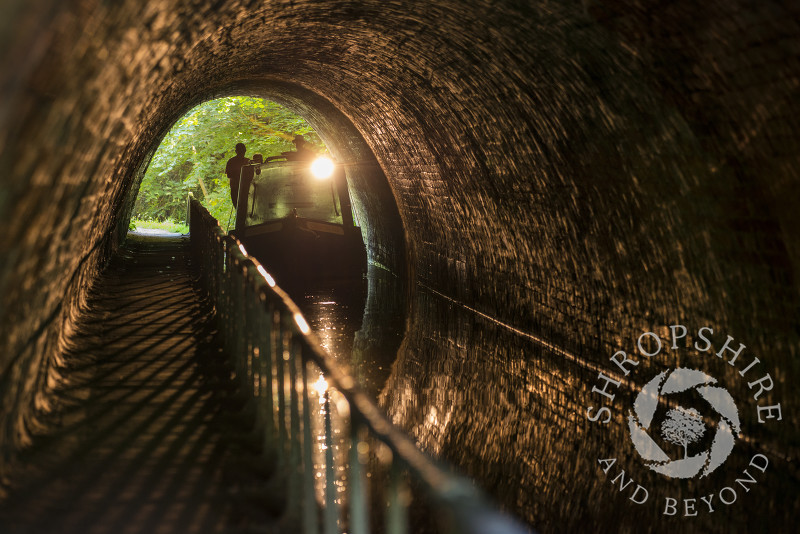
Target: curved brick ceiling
x=579, y=172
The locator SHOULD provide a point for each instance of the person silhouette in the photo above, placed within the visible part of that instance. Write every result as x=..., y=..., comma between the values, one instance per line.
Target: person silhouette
x=302, y=151
x=240, y=176
x=236, y=170
x=257, y=158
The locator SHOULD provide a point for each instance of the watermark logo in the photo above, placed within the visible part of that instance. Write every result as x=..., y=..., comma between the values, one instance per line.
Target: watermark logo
x=683, y=426
x=684, y=423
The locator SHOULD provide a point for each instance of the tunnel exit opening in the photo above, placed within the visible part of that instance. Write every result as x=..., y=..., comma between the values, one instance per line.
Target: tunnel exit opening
x=194, y=157
x=203, y=135
x=362, y=326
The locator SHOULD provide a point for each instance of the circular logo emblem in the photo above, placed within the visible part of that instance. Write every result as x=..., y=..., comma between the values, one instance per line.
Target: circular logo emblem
x=683, y=426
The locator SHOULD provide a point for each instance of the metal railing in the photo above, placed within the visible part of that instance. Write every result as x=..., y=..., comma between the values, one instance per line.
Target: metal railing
x=274, y=353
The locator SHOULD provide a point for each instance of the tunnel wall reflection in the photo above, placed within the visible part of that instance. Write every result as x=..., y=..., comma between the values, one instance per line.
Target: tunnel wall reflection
x=572, y=172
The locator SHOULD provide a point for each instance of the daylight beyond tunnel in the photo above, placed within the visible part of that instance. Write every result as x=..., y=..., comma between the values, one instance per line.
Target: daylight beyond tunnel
x=559, y=178
x=265, y=126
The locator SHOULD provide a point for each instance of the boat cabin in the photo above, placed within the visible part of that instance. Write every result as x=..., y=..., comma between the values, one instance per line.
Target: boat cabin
x=296, y=219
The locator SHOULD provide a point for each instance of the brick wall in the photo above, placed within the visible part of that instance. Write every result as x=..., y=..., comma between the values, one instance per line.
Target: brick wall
x=573, y=172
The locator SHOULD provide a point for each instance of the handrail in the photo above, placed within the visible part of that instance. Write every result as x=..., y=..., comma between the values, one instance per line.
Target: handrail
x=272, y=348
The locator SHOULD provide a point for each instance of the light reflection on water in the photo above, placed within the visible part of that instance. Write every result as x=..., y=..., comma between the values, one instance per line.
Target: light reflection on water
x=361, y=325
x=510, y=413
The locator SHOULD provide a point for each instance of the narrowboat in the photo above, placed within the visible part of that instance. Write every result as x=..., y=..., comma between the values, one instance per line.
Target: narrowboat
x=296, y=218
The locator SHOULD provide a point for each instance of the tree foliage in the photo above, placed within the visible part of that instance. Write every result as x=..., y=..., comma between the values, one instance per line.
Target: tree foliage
x=192, y=156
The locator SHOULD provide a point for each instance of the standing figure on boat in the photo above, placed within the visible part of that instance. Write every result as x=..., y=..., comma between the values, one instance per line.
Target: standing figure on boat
x=236, y=169
x=240, y=176
x=301, y=152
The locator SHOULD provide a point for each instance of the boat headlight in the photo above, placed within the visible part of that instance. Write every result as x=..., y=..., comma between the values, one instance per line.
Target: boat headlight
x=322, y=168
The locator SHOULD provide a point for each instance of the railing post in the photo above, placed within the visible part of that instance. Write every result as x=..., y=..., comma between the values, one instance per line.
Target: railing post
x=331, y=509
x=251, y=330
x=359, y=523
x=280, y=375
x=397, y=515
x=265, y=375
x=310, y=523
x=234, y=315
x=295, y=485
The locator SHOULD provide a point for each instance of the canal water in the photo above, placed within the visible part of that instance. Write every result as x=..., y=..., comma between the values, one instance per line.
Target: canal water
x=361, y=324
x=508, y=407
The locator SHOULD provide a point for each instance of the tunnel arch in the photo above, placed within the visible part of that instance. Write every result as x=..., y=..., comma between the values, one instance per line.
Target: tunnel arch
x=371, y=194
x=526, y=145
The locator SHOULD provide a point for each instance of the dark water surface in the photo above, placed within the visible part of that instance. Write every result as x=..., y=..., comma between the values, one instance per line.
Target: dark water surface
x=360, y=323
x=509, y=409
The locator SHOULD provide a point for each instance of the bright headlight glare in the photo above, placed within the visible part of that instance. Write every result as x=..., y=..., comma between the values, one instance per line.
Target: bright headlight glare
x=322, y=168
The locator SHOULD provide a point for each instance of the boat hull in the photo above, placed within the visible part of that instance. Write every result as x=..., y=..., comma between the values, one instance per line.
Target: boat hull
x=298, y=250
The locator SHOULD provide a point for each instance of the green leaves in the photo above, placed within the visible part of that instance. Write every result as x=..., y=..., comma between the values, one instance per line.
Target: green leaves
x=197, y=147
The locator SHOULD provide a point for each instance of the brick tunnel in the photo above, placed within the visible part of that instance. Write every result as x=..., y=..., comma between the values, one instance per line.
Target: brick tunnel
x=561, y=179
